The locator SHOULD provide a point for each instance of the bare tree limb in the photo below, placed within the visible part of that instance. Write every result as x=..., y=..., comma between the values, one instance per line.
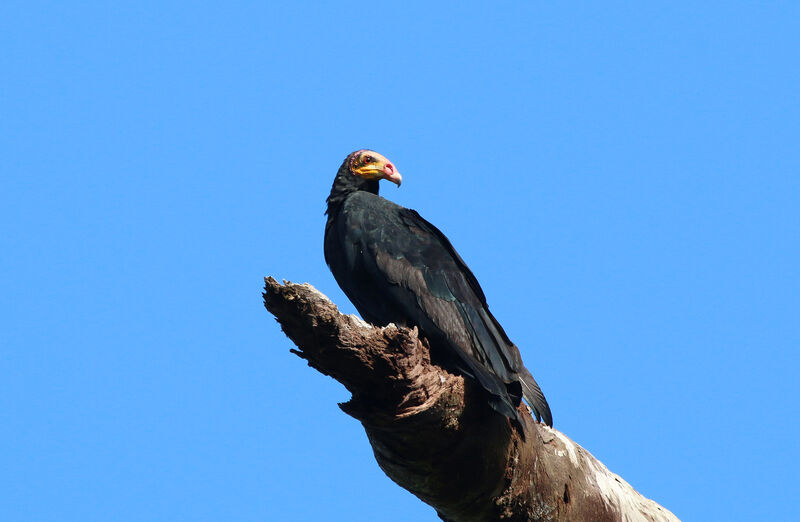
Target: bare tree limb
x=434, y=434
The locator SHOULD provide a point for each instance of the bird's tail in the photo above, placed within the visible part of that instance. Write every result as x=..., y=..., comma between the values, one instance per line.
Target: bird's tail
x=534, y=397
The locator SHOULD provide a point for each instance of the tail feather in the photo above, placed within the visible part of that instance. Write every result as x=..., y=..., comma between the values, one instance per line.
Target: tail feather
x=534, y=397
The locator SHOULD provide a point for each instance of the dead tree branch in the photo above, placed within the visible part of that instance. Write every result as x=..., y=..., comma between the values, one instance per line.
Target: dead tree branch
x=434, y=435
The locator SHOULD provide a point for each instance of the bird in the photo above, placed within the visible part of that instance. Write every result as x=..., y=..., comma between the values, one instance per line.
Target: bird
x=396, y=267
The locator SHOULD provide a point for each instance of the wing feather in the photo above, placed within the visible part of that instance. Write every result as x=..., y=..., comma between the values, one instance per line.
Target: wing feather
x=410, y=264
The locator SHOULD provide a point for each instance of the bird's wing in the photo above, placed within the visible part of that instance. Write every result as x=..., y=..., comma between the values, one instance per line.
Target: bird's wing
x=418, y=269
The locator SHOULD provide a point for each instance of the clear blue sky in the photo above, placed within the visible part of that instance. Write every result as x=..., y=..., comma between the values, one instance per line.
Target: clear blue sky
x=623, y=180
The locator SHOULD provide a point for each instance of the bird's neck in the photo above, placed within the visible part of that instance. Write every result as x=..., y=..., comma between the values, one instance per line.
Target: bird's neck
x=346, y=184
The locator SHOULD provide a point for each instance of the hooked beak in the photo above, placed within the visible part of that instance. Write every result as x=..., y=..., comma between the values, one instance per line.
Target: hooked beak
x=381, y=168
x=391, y=173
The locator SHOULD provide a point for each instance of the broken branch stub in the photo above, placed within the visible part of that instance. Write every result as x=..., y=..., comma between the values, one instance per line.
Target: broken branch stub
x=434, y=434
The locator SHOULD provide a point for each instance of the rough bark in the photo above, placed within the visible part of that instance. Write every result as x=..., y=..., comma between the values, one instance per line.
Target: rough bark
x=433, y=434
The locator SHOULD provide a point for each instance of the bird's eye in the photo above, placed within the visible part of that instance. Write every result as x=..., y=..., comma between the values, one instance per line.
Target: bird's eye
x=368, y=159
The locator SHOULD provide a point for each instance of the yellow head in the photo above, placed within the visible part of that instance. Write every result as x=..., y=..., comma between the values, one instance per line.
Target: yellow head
x=368, y=164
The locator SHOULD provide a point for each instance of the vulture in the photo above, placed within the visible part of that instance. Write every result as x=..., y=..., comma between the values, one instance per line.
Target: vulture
x=396, y=267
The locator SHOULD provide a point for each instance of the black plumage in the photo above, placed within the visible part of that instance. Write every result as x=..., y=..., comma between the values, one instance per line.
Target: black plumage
x=398, y=268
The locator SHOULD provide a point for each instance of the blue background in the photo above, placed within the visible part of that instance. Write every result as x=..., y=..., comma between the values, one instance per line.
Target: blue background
x=622, y=179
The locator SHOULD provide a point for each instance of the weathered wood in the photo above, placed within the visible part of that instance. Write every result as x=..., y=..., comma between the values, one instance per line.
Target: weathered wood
x=435, y=435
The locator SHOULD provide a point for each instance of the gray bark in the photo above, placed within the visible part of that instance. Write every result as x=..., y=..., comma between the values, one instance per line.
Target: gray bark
x=434, y=435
